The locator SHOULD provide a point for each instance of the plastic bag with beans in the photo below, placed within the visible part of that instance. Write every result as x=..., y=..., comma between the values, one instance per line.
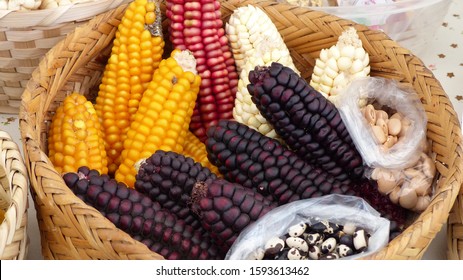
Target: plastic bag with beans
x=412, y=187
x=340, y=210
x=368, y=130
x=390, y=134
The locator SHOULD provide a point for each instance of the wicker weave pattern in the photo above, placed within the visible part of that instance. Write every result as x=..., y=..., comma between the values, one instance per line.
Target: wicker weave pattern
x=14, y=240
x=25, y=37
x=455, y=230
x=72, y=230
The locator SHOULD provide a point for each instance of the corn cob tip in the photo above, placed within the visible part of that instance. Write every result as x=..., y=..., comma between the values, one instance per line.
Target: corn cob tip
x=186, y=60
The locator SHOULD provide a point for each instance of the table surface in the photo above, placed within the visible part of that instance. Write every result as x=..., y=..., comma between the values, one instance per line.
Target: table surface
x=443, y=56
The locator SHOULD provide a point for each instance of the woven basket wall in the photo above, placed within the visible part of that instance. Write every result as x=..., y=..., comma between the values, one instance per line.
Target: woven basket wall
x=25, y=37
x=455, y=230
x=72, y=230
x=14, y=187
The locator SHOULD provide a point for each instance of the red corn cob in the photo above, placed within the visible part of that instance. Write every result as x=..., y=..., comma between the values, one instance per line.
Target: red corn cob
x=200, y=22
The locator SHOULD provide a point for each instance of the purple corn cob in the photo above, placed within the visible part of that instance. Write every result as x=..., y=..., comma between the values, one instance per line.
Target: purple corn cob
x=227, y=208
x=168, y=178
x=247, y=157
x=140, y=217
x=307, y=122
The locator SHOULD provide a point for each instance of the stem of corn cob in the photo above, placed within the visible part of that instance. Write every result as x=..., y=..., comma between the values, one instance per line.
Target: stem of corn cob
x=254, y=41
x=307, y=122
x=200, y=22
x=136, y=53
x=75, y=137
x=339, y=65
x=163, y=117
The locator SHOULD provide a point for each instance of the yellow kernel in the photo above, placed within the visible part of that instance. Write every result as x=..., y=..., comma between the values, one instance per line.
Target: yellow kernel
x=158, y=131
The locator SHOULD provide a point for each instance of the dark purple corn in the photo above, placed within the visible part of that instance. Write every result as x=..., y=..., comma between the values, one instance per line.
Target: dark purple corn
x=247, y=157
x=307, y=122
x=168, y=178
x=227, y=208
x=140, y=217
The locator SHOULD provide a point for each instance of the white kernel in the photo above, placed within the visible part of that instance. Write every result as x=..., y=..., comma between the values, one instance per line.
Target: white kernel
x=327, y=80
x=344, y=63
x=324, y=55
x=260, y=118
x=253, y=121
x=318, y=71
x=331, y=73
x=332, y=64
x=357, y=66
x=348, y=51
x=264, y=128
x=359, y=53
x=334, y=52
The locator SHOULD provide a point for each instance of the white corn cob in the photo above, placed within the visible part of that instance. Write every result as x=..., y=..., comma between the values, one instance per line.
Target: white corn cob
x=339, y=65
x=255, y=41
x=23, y=5
x=51, y=4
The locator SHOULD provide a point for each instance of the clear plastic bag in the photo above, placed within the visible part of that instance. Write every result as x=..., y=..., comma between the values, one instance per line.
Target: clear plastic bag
x=411, y=188
x=387, y=95
x=335, y=208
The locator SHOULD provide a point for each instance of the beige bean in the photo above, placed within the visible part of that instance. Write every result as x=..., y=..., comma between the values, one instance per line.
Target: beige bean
x=376, y=173
x=390, y=141
x=386, y=182
x=382, y=123
x=429, y=167
x=422, y=203
x=394, y=126
x=397, y=116
x=394, y=195
x=412, y=172
x=381, y=114
x=379, y=134
x=421, y=185
x=408, y=198
x=370, y=114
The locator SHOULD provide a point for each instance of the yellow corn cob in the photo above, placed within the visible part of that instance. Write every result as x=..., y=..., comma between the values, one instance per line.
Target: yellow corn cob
x=255, y=41
x=136, y=53
x=75, y=138
x=163, y=117
x=196, y=150
x=339, y=65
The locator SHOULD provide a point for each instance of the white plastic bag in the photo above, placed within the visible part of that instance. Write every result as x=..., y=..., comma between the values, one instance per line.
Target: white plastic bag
x=335, y=208
x=387, y=93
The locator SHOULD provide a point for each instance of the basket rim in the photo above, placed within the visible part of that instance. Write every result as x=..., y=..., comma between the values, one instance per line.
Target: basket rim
x=440, y=205
x=15, y=223
x=55, y=16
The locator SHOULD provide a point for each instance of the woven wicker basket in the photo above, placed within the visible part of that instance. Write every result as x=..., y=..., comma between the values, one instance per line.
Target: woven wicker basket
x=14, y=189
x=455, y=230
x=72, y=230
x=25, y=37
